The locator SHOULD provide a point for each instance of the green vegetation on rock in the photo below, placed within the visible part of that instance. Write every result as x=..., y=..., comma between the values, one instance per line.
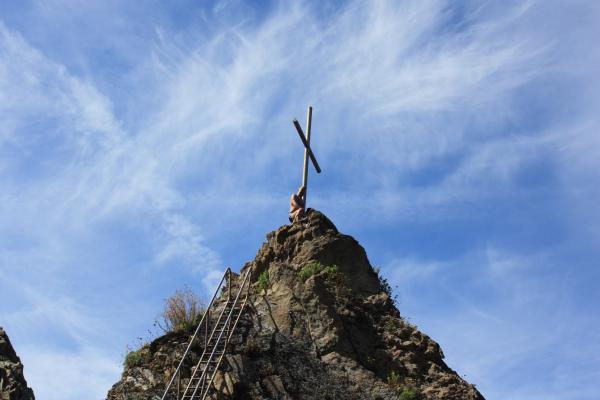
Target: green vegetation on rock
x=309, y=270
x=134, y=358
x=394, y=380
x=263, y=281
x=405, y=390
x=332, y=272
x=409, y=394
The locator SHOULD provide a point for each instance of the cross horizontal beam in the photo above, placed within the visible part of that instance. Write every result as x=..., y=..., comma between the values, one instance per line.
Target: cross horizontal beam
x=306, y=145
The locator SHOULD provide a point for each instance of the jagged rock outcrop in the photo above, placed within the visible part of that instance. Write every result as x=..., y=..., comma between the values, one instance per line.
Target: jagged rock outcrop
x=324, y=328
x=12, y=382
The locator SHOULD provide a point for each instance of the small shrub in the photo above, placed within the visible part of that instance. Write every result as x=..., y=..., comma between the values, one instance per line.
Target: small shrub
x=263, y=281
x=392, y=325
x=404, y=387
x=309, y=270
x=385, y=286
x=370, y=362
x=332, y=274
x=182, y=311
x=394, y=380
x=409, y=394
x=134, y=358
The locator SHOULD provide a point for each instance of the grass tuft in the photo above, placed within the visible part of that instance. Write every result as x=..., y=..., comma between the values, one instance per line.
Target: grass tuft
x=263, y=281
x=134, y=358
x=309, y=270
x=182, y=311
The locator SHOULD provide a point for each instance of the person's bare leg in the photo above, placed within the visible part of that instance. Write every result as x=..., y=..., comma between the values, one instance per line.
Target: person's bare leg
x=297, y=211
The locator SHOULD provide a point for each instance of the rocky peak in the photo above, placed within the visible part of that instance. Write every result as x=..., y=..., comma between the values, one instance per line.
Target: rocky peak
x=12, y=382
x=317, y=240
x=321, y=325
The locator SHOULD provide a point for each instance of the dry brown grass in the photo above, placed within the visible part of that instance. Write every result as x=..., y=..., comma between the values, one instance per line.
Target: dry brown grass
x=182, y=311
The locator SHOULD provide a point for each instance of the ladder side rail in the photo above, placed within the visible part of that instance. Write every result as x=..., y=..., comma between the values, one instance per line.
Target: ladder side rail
x=205, y=393
x=232, y=331
x=194, y=335
x=234, y=325
x=204, y=351
x=218, y=341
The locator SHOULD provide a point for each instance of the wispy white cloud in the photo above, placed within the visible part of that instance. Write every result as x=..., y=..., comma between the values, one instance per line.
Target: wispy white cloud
x=408, y=87
x=39, y=97
x=86, y=166
x=65, y=374
x=391, y=61
x=69, y=167
x=199, y=142
x=497, y=312
x=406, y=270
x=184, y=245
x=64, y=344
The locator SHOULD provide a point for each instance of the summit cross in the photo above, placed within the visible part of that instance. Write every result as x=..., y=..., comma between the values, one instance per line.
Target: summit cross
x=308, y=153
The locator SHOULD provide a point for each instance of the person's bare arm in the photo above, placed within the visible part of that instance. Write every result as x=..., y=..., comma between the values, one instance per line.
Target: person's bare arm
x=301, y=195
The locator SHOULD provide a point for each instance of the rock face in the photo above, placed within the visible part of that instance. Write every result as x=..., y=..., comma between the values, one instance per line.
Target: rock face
x=12, y=382
x=324, y=327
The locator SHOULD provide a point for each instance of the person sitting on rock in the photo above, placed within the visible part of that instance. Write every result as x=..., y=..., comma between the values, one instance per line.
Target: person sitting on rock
x=297, y=204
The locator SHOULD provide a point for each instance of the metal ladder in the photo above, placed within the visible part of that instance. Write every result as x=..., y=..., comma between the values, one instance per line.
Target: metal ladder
x=215, y=336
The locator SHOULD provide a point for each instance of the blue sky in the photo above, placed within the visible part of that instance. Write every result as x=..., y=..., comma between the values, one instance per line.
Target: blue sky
x=147, y=145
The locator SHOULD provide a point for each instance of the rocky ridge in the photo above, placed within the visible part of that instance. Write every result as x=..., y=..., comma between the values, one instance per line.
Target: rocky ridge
x=13, y=385
x=321, y=325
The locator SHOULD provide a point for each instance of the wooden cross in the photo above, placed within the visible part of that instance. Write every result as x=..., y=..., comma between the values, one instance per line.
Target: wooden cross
x=307, y=150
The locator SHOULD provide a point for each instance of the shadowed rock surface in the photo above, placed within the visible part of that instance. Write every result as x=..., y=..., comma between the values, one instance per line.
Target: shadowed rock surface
x=325, y=328
x=12, y=382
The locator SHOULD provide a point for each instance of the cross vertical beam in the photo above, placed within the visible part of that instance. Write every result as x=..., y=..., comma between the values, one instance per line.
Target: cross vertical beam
x=305, y=171
x=308, y=153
